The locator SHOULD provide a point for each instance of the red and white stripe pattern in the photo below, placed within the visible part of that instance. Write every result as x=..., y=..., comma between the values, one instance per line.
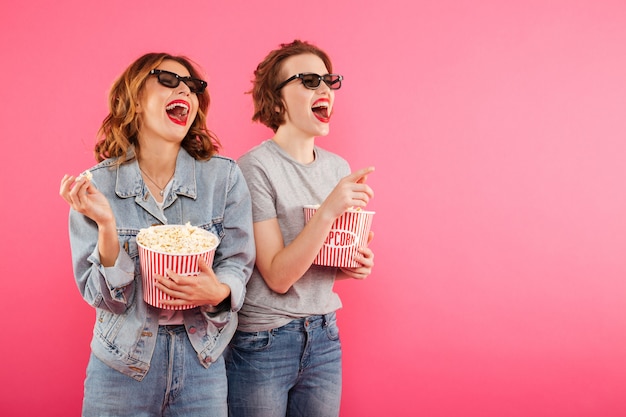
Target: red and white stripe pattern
x=349, y=232
x=157, y=263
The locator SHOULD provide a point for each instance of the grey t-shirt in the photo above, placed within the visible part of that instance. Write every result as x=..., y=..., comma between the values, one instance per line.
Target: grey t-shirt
x=280, y=187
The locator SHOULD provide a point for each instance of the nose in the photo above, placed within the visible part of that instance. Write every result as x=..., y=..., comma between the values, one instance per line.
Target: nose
x=183, y=88
x=323, y=88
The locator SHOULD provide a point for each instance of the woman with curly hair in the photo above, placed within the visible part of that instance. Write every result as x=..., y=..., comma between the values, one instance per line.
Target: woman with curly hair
x=158, y=164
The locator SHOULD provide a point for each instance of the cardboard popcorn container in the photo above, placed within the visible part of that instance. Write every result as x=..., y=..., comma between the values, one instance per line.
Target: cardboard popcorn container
x=173, y=247
x=349, y=232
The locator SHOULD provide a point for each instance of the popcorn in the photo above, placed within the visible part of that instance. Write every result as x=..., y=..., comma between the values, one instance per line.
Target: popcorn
x=85, y=174
x=176, y=248
x=181, y=240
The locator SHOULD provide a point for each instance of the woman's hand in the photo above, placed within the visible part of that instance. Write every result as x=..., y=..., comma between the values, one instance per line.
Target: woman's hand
x=201, y=289
x=351, y=191
x=366, y=258
x=85, y=198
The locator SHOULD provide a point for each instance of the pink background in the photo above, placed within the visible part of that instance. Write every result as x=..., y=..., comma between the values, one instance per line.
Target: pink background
x=498, y=133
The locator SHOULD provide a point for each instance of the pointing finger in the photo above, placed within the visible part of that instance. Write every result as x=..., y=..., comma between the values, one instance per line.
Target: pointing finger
x=360, y=176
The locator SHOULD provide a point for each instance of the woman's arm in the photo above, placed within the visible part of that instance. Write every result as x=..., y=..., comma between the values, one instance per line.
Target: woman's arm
x=281, y=266
x=103, y=273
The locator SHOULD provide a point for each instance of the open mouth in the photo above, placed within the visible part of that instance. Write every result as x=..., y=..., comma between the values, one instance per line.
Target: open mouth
x=178, y=111
x=321, y=110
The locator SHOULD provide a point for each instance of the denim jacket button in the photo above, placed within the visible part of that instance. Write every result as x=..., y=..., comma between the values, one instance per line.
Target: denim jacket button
x=192, y=330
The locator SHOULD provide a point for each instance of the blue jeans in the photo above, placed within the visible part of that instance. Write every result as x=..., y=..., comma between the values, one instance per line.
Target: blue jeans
x=293, y=370
x=176, y=384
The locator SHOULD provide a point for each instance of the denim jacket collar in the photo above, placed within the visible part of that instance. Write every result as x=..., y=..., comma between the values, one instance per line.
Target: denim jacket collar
x=130, y=184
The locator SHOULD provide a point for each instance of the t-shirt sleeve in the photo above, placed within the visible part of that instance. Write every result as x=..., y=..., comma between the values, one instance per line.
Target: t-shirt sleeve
x=261, y=189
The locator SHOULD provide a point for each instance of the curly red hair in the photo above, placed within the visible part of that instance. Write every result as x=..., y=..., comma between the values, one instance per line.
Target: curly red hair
x=120, y=127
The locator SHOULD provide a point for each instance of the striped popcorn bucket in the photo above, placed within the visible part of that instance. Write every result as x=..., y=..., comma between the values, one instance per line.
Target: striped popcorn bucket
x=349, y=232
x=154, y=262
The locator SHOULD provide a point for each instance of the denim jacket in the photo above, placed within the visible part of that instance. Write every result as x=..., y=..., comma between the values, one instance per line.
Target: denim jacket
x=209, y=194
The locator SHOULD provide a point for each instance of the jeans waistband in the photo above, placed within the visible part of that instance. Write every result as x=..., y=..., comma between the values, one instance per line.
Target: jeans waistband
x=310, y=321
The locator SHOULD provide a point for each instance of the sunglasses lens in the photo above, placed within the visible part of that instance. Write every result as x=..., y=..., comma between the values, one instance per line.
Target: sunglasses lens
x=168, y=80
x=333, y=81
x=311, y=81
x=195, y=86
x=171, y=80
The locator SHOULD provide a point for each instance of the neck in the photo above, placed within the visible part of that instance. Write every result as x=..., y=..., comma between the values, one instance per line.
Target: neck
x=155, y=153
x=157, y=173
x=159, y=165
x=156, y=186
x=298, y=147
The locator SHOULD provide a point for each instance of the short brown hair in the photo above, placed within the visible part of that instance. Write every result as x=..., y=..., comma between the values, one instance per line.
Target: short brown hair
x=269, y=108
x=120, y=127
